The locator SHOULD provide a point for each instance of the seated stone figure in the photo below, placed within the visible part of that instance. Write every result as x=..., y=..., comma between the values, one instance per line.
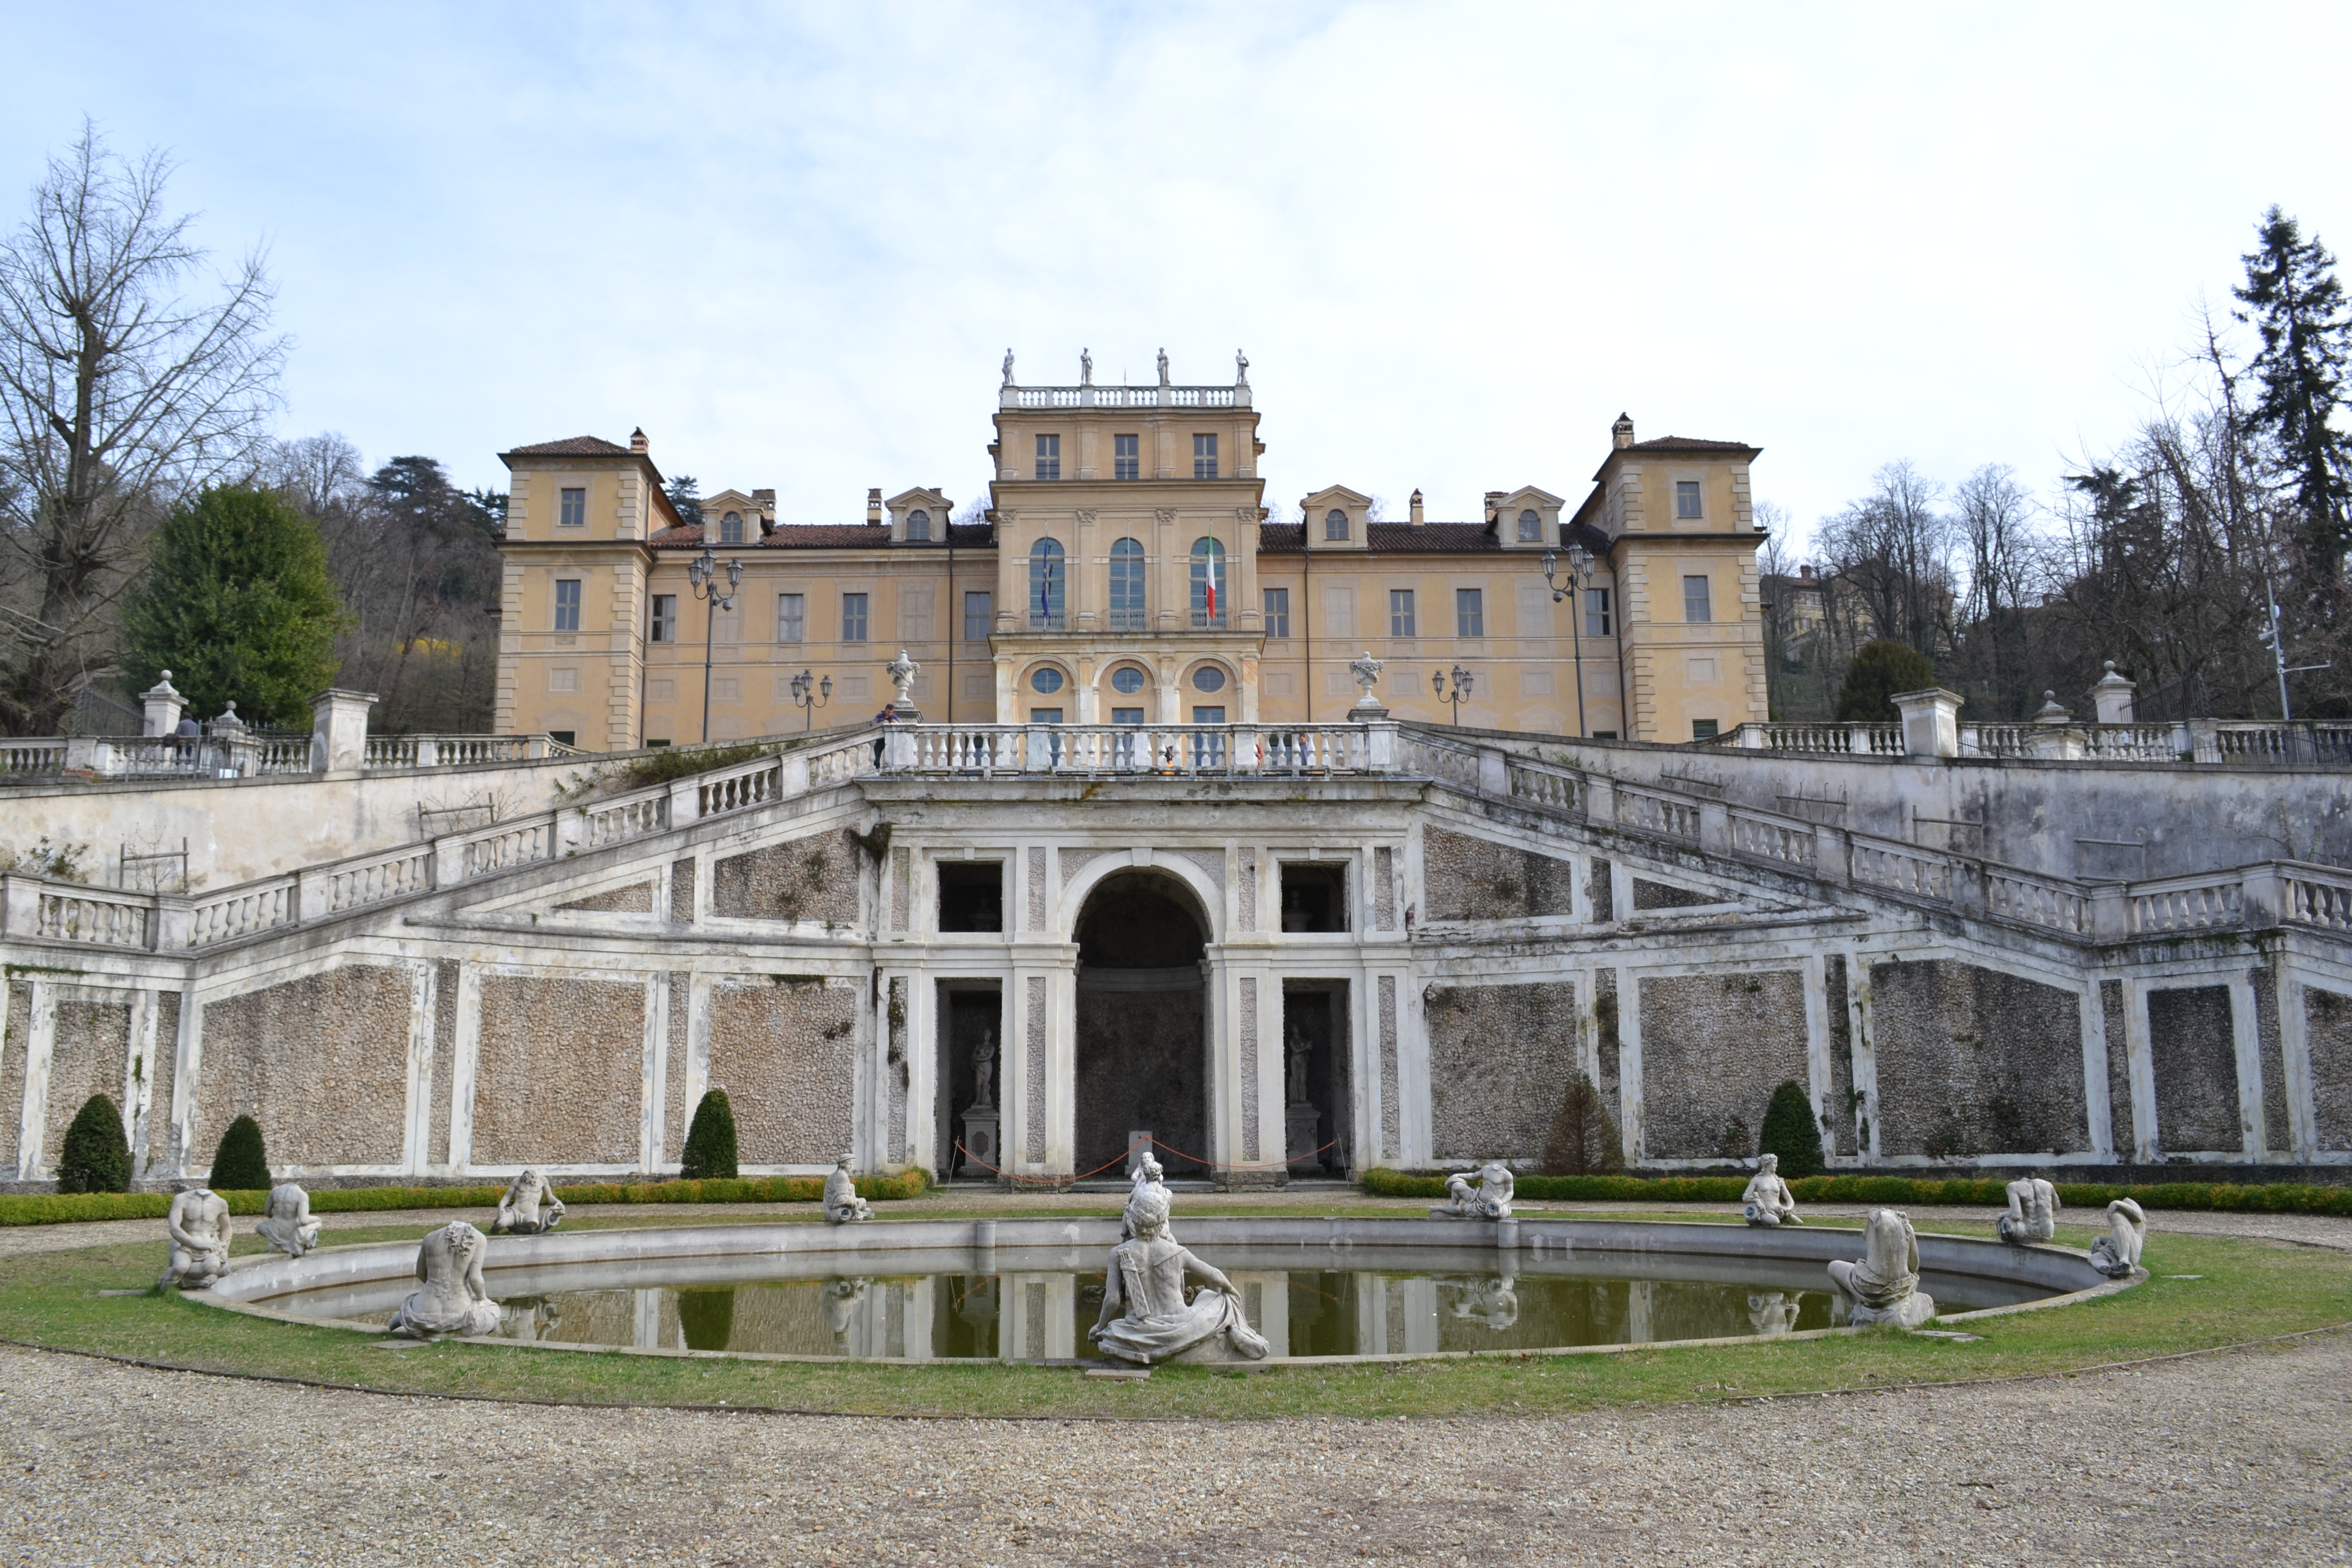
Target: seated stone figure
x=198, y=1226
x=286, y=1222
x=454, y=1301
x=1145, y=1178
x=842, y=1204
x=2032, y=1211
x=1774, y=1311
x=1144, y=1317
x=1767, y=1200
x=1884, y=1286
x=530, y=1208
x=1490, y=1198
x=2117, y=1254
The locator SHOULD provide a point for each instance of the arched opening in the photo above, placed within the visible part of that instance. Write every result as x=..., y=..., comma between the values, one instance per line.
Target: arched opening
x=1127, y=602
x=1209, y=609
x=919, y=527
x=1142, y=1056
x=1530, y=527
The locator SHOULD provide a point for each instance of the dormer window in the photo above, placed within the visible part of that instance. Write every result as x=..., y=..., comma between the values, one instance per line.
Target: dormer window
x=919, y=527
x=1335, y=524
x=1049, y=457
x=731, y=528
x=1530, y=527
x=1686, y=499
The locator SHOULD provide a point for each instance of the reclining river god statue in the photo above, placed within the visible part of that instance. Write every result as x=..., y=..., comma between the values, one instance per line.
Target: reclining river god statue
x=1884, y=1286
x=2117, y=1254
x=454, y=1301
x=1488, y=1197
x=1144, y=1316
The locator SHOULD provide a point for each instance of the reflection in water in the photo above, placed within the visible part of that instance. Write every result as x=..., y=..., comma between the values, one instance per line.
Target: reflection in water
x=1771, y=1312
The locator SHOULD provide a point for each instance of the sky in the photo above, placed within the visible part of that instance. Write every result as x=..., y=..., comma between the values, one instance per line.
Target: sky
x=792, y=244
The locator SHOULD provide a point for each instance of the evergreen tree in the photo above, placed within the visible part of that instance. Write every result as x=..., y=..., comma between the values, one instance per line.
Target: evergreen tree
x=1583, y=1141
x=2297, y=306
x=685, y=493
x=710, y=1141
x=96, y=1157
x=1790, y=1133
x=237, y=604
x=239, y=1164
x=1879, y=670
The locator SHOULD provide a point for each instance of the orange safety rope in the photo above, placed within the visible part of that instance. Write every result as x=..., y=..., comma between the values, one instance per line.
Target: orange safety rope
x=1156, y=1145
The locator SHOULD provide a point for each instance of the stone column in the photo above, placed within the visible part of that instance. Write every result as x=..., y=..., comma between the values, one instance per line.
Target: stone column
x=2098, y=1107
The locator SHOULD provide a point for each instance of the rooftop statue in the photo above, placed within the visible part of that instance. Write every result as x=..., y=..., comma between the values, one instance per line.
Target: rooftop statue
x=1086, y=367
x=1767, y=1200
x=1489, y=1198
x=198, y=1226
x=1884, y=1286
x=1163, y=367
x=1144, y=1316
x=2117, y=1254
x=1008, y=367
x=285, y=1223
x=454, y=1301
x=2032, y=1211
x=530, y=1208
x=842, y=1204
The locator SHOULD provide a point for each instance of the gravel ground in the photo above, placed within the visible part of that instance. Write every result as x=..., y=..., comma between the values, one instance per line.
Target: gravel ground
x=2239, y=1458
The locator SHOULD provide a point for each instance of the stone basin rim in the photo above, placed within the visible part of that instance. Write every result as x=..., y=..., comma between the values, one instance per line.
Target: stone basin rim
x=254, y=1280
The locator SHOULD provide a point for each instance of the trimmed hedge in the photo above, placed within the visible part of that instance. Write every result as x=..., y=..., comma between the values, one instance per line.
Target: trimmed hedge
x=1789, y=1132
x=47, y=1208
x=2277, y=1199
x=96, y=1157
x=240, y=1161
x=711, y=1141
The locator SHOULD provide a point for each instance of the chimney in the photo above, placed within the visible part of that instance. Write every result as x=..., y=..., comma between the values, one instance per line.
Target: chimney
x=1806, y=571
x=874, y=507
x=637, y=442
x=1495, y=506
x=1417, y=518
x=1621, y=435
x=764, y=502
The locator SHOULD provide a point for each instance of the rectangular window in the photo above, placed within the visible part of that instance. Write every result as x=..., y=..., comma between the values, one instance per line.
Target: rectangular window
x=1049, y=457
x=1205, y=456
x=1604, y=734
x=1686, y=498
x=1400, y=612
x=575, y=509
x=1277, y=611
x=1208, y=715
x=791, y=618
x=567, y=604
x=663, y=626
x=1339, y=611
x=1696, y=608
x=915, y=612
x=727, y=688
x=1596, y=612
x=1702, y=729
x=1126, y=715
x=853, y=617
x=976, y=617
x=563, y=679
x=1127, y=458
x=1469, y=612
x=562, y=737
x=1045, y=715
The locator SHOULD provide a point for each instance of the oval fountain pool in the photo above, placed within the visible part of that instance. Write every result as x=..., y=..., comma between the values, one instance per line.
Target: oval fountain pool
x=1028, y=1289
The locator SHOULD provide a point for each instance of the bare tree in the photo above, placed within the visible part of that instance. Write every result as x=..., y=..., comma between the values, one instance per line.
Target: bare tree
x=1892, y=550
x=126, y=380
x=1994, y=515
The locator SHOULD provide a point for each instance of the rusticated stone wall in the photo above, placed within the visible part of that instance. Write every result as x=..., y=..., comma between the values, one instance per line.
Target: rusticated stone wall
x=1713, y=1048
x=635, y=898
x=445, y=1060
x=2276, y=1133
x=1844, y=1121
x=559, y=1072
x=675, y=1109
x=1141, y=1066
x=1468, y=879
x=92, y=1048
x=2119, y=1088
x=785, y=1050
x=2196, y=1056
x=159, y=1095
x=1649, y=894
x=16, y=1032
x=1972, y=1062
x=2328, y=1032
x=1500, y=1058
x=322, y=1063
x=813, y=879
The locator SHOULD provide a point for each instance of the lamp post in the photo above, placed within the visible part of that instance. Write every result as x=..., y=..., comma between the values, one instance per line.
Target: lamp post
x=811, y=694
x=1462, y=678
x=701, y=573
x=1580, y=563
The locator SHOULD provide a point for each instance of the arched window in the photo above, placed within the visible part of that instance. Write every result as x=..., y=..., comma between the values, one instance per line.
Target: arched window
x=731, y=528
x=1045, y=568
x=1530, y=528
x=1127, y=606
x=919, y=527
x=1335, y=524
x=1208, y=607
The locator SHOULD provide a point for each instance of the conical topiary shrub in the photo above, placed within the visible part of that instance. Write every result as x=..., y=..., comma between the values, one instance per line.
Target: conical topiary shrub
x=1583, y=1140
x=710, y=1141
x=239, y=1164
x=1790, y=1133
x=96, y=1157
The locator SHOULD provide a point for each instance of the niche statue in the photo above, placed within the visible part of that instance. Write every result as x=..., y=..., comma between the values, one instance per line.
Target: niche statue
x=1489, y=1197
x=198, y=1226
x=842, y=1204
x=2032, y=1211
x=530, y=1208
x=286, y=1222
x=454, y=1301
x=1884, y=1286
x=1144, y=1317
x=2117, y=1254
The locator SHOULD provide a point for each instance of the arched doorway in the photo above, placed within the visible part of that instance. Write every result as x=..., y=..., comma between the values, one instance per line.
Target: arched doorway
x=1141, y=1049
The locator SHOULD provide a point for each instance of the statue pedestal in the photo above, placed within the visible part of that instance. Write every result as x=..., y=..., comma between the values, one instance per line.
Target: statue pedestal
x=979, y=1135
x=1301, y=1123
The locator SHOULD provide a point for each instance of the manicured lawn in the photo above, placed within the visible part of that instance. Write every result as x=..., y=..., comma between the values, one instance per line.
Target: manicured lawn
x=2249, y=1290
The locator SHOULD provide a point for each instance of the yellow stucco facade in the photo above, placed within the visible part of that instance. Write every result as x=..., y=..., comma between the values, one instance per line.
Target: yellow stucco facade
x=1126, y=572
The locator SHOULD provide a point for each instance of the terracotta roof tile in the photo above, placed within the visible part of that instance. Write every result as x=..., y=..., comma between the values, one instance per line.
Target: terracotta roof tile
x=822, y=536
x=1690, y=443
x=571, y=447
x=1390, y=539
